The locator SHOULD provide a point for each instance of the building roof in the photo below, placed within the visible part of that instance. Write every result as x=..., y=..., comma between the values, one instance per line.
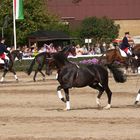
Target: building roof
x=48, y=35
x=79, y=9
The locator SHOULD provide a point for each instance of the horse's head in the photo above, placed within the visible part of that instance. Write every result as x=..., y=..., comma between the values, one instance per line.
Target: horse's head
x=69, y=50
x=72, y=50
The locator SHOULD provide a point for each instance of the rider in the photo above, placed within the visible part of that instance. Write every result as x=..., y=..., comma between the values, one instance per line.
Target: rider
x=3, y=50
x=125, y=46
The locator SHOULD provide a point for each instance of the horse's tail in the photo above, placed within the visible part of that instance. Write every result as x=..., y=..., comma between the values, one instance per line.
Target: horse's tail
x=118, y=74
x=31, y=67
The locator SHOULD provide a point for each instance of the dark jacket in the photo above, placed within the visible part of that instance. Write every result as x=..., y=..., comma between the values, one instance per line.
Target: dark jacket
x=124, y=43
x=3, y=49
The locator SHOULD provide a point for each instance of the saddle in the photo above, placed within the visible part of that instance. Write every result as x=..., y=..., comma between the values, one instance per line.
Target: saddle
x=123, y=54
x=2, y=61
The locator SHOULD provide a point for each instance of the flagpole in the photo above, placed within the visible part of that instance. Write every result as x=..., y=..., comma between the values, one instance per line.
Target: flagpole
x=14, y=26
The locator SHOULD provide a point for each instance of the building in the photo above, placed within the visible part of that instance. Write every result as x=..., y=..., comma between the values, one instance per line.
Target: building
x=125, y=13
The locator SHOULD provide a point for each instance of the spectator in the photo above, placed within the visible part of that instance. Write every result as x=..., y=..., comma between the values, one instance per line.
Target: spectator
x=27, y=51
x=97, y=49
x=91, y=51
x=85, y=50
x=34, y=51
x=50, y=48
x=79, y=51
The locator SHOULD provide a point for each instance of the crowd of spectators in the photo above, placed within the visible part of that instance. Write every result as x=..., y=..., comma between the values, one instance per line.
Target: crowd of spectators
x=90, y=50
x=34, y=50
x=80, y=50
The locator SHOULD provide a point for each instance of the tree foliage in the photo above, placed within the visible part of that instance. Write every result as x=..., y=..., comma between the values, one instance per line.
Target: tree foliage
x=36, y=17
x=99, y=29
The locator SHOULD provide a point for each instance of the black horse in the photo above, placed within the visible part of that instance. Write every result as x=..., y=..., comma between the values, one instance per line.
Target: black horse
x=45, y=58
x=12, y=56
x=95, y=76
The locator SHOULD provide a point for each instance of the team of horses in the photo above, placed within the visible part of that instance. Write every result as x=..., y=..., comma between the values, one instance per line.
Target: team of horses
x=72, y=74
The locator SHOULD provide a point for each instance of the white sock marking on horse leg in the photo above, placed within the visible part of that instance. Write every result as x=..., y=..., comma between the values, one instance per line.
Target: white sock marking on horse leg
x=2, y=79
x=98, y=101
x=68, y=105
x=108, y=106
x=138, y=97
x=125, y=71
x=59, y=94
x=16, y=77
x=56, y=76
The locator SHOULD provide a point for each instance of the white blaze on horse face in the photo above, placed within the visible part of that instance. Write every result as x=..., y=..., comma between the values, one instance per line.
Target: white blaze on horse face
x=68, y=105
x=138, y=97
x=59, y=94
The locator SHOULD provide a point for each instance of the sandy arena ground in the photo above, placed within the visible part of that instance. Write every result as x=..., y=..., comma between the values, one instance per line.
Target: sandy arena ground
x=32, y=111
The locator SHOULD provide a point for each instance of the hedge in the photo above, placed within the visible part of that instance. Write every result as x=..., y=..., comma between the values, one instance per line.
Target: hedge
x=23, y=65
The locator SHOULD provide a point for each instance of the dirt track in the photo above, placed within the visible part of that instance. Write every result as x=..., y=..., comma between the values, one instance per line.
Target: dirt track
x=32, y=111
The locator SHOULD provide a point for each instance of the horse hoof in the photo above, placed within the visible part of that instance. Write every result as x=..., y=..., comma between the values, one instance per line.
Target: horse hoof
x=136, y=102
x=107, y=107
x=99, y=106
x=66, y=109
x=98, y=102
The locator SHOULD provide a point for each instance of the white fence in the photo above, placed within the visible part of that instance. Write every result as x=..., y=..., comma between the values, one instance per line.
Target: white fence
x=77, y=56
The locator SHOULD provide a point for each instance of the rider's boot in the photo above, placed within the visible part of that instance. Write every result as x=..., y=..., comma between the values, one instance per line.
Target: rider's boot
x=128, y=55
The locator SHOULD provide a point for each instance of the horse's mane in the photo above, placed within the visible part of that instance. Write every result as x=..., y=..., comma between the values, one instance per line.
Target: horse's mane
x=60, y=57
x=15, y=51
x=66, y=48
x=42, y=54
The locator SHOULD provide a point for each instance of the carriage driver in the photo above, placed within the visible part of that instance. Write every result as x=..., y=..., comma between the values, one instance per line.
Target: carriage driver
x=125, y=46
x=3, y=50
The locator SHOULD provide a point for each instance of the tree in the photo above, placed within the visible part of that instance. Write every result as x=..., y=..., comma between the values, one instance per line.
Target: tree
x=36, y=17
x=99, y=29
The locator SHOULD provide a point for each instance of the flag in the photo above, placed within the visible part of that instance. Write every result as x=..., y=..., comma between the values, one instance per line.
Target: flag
x=18, y=9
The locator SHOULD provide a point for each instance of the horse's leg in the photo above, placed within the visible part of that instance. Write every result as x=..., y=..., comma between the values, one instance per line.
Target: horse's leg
x=127, y=64
x=67, y=99
x=48, y=69
x=138, y=97
x=60, y=94
x=42, y=75
x=109, y=95
x=13, y=71
x=101, y=90
x=34, y=77
x=3, y=76
x=40, y=70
